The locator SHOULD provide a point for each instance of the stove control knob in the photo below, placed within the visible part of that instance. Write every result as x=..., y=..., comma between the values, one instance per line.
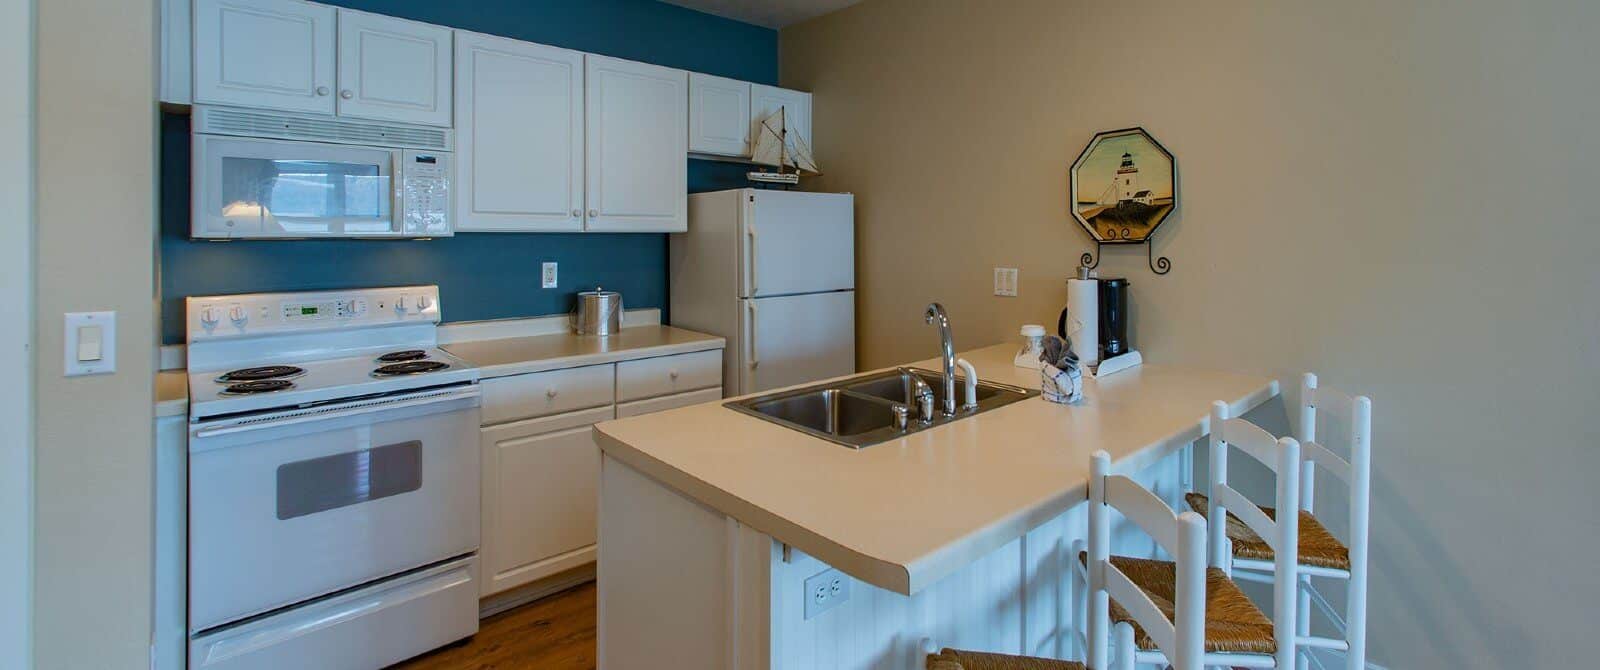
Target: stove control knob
x=423, y=303
x=402, y=304
x=210, y=316
x=238, y=315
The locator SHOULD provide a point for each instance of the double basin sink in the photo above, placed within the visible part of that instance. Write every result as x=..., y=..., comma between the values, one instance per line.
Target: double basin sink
x=858, y=412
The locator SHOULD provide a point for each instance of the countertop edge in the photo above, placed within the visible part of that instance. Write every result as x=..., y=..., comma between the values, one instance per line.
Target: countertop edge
x=883, y=574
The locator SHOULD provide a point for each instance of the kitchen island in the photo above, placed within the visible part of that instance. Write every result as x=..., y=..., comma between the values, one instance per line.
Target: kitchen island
x=712, y=521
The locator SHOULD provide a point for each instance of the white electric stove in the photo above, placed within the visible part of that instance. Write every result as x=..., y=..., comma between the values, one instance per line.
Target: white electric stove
x=333, y=480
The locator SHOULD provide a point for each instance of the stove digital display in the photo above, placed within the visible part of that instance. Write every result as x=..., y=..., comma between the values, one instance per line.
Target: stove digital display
x=308, y=311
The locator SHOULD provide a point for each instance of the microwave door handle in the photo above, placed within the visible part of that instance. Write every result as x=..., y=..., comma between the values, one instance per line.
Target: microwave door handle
x=397, y=210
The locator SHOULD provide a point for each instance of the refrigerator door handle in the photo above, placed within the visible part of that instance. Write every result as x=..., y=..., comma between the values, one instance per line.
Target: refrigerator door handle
x=750, y=232
x=754, y=359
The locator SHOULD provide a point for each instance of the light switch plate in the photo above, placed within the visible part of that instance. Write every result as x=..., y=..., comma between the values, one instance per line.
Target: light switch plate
x=1005, y=282
x=549, y=276
x=80, y=324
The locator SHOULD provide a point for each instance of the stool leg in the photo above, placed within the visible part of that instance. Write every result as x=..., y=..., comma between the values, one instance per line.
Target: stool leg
x=1079, y=584
x=1302, y=621
x=1122, y=640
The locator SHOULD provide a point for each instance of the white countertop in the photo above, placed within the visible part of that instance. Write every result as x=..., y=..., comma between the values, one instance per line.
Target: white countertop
x=172, y=393
x=536, y=353
x=514, y=355
x=904, y=513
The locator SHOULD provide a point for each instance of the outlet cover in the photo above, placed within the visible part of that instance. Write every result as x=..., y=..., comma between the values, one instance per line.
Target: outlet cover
x=825, y=591
x=1005, y=282
x=548, y=279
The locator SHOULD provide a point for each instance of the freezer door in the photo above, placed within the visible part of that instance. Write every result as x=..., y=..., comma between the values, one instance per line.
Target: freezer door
x=797, y=242
x=796, y=339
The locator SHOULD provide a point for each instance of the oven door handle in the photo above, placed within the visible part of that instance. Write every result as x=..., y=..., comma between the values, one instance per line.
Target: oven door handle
x=320, y=414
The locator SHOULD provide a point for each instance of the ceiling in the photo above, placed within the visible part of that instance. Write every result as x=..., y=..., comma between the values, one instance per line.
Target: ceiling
x=770, y=13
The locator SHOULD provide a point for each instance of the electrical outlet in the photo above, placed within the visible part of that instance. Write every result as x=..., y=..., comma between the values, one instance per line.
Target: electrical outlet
x=1005, y=282
x=825, y=591
x=549, y=280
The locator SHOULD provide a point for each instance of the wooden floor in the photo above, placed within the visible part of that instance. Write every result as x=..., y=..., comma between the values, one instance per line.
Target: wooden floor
x=555, y=633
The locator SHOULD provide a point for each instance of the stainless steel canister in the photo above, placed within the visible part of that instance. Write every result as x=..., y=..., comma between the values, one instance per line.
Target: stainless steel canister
x=597, y=312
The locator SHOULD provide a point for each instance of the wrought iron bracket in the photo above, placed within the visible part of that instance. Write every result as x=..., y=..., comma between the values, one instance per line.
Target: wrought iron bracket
x=1158, y=265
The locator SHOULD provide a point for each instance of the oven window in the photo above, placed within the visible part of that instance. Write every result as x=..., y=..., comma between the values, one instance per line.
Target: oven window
x=341, y=480
x=308, y=191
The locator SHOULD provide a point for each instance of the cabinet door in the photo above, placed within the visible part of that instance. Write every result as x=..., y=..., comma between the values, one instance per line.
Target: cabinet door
x=719, y=115
x=264, y=53
x=519, y=135
x=393, y=70
x=539, y=496
x=637, y=146
x=765, y=100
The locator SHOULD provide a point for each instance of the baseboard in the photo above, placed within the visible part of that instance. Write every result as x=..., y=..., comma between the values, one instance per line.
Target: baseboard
x=536, y=590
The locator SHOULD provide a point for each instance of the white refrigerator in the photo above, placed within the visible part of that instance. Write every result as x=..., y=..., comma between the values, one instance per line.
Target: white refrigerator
x=773, y=272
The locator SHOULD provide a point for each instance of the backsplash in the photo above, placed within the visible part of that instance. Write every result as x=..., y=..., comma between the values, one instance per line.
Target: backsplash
x=480, y=275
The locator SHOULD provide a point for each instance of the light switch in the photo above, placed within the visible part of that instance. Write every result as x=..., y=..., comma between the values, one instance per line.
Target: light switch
x=91, y=343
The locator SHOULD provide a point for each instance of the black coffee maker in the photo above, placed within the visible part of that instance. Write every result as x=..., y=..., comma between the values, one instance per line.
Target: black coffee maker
x=1114, y=317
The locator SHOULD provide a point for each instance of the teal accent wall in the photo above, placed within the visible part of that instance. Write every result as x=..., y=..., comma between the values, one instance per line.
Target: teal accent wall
x=480, y=275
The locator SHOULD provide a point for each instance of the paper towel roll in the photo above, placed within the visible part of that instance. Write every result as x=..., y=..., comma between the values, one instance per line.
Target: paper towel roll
x=1083, y=319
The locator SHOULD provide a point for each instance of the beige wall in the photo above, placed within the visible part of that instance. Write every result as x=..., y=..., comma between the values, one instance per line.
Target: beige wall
x=96, y=236
x=1396, y=195
x=16, y=332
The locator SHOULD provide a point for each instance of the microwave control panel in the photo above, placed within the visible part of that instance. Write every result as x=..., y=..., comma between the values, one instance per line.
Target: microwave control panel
x=425, y=192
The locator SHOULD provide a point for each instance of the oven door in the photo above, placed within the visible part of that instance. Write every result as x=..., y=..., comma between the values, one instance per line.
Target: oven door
x=301, y=503
x=256, y=188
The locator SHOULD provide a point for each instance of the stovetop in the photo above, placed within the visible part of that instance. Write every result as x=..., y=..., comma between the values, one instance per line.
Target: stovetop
x=303, y=382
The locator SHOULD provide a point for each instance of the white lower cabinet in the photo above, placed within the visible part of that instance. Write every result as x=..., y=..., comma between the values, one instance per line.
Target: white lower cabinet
x=541, y=466
x=539, y=494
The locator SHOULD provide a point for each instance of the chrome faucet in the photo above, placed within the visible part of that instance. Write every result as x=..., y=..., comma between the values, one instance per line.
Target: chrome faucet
x=936, y=315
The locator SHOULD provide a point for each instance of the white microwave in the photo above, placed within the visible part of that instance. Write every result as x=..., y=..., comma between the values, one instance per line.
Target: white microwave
x=268, y=175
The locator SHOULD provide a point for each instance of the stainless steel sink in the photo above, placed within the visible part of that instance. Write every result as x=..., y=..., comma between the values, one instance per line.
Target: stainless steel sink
x=859, y=411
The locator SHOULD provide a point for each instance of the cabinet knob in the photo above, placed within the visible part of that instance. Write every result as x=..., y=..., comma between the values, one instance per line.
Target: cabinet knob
x=322, y=90
x=347, y=94
x=594, y=213
x=673, y=374
x=550, y=393
x=576, y=213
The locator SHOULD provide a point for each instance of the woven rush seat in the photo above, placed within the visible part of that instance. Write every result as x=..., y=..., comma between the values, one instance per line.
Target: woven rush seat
x=955, y=659
x=1233, y=622
x=1318, y=547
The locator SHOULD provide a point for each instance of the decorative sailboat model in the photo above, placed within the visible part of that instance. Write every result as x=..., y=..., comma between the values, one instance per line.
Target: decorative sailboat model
x=780, y=147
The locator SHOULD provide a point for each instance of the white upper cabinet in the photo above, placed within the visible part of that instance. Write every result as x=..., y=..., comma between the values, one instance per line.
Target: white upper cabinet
x=719, y=115
x=765, y=100
x=519, y=135
x=638, y=174
x=277, y=54
x=393, y=70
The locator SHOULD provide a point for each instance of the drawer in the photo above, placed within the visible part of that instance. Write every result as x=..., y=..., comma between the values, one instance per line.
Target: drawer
x=650, y=377
x=663, y=403
x=542, y=393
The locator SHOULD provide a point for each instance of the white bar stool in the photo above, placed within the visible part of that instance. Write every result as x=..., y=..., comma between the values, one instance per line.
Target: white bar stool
x=1237, y=634
x=1166, y=601
x=1322, y=555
